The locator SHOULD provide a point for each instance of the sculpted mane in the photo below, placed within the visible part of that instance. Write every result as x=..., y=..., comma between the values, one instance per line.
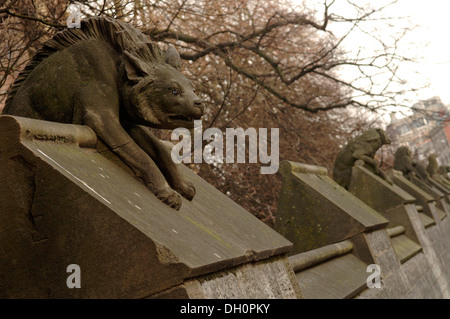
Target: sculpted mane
x=124, y=38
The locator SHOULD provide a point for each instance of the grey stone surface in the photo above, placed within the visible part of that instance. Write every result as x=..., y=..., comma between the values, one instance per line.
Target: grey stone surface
x=382, y=251
x=376, y=192
x=436, y=264
x=64, y=203
x=405, y=248
x=389, y=200
x=426, y=221
x=423, y=283
x=374, y=293
x=423, y=198
x=410, y=267
x=266, y=279
x=311, y=205
x=339, y=278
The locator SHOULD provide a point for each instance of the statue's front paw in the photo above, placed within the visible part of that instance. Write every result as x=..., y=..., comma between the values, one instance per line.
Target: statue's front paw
x=186, y=189
x=389, y=180
x=169, y=197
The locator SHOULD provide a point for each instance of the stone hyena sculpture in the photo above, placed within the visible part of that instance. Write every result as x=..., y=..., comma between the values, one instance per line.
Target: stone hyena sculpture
x=108, y=76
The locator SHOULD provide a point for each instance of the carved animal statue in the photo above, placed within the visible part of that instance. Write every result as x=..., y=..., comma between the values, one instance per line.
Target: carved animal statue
x=435, y=170
x=362, y=148
x=433, y=165
x=108, y=76
x=422, y=171
x=404, y=163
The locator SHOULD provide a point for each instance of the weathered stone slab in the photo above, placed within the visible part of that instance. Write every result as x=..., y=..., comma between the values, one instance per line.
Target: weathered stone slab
x=426, y=221
x=427, y=202
x=431, y=245
x=429, y=189
x=439, y=210
x=310, y=199
x=442, y=188
x=395, y=283
x=265, y=279
x=404, y=247
x=64, y=203
x=314, y=211
x=440, y=197
x=399, y=208
x=388, y=200
x=376, y=192
x=423, y=283
x=333, y=280
x=422, y=198
x=435, y=181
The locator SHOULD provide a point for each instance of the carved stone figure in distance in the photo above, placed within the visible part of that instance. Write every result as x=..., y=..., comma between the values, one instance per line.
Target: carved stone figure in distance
x=404, y=163
x=435, y=170
x=361, y=148
x=108, y=76
x=433, y=165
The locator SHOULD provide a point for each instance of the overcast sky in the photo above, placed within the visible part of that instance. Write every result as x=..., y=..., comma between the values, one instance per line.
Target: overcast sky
x=433, y=41
x=429, y=40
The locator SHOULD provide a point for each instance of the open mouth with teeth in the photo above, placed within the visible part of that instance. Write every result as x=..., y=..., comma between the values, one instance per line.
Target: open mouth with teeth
x=183, y=118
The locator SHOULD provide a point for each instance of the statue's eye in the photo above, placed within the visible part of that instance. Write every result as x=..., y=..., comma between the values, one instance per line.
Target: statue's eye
x=194, y=90
x=175, y=92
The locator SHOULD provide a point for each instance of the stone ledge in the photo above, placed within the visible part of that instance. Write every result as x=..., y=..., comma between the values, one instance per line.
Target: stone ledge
x=426, y=221
x=330, y=272
x=311, y=205
x=311, y=258
x=63, y=202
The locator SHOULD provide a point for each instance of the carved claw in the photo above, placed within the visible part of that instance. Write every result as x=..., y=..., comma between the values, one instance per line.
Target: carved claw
x=169, y=197
x=359, y=162
x=186, y=189
x=389, y=180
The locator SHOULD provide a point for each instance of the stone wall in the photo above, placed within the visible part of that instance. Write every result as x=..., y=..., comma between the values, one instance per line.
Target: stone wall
x=62, y=202
x=407, y=245
x=65, y=200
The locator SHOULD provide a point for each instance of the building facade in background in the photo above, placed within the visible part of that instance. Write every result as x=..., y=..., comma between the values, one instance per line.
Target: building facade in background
x=426, y=131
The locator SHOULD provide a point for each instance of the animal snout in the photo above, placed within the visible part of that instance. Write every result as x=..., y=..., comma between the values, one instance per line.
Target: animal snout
x=200, y=106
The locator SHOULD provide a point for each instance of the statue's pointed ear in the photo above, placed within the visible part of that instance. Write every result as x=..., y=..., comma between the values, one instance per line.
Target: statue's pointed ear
x=173, y=58
x=135, y=68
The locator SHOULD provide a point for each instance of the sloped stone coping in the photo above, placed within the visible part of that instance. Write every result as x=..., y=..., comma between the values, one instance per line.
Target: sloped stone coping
x=311, y=205
x=65, y=203
x=311, y=258
x=404, y=247
x=330, y=272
